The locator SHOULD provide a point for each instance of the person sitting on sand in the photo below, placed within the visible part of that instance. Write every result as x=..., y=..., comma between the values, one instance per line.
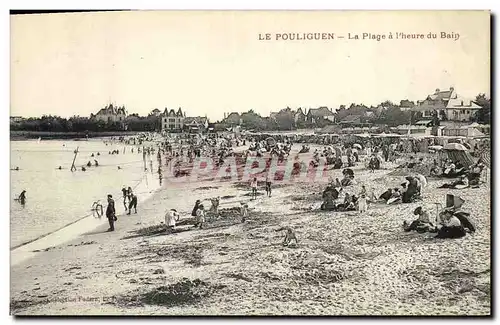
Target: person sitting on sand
x=411, y=190
x=475, y=174
x=89, y=164
x=200, y=217
x=214, y=209
x=451, y=227
x=289, y=236
x=83, y=168
x=350, y=160
x=422, y=224
x=395, y=196
x=460, y=183
x=171, y=217
x=337, y=164
x=435, y=169
x=449, y=168
x=329, y=195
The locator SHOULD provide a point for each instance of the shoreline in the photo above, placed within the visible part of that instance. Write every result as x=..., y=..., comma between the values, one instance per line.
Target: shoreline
x=29, y=135
x=27, y=250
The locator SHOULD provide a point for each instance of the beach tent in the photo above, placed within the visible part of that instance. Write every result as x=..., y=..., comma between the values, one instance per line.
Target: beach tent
x=436, y=148
x=457, y=152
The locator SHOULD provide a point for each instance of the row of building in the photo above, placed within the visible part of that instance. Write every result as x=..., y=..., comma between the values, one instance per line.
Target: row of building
x=170, y=119
x=445, y=105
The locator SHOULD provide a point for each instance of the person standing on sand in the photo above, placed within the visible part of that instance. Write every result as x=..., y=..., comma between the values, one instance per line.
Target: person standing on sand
x=362, y=201
x=110, y=213
x=253, y=185
x=125, y=195
x=268, y=186
x=244, y=212
x=200, y=216
x=132, y=204
x=22, y=197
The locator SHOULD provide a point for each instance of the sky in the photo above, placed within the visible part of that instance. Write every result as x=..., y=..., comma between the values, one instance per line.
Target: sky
x=212, y=62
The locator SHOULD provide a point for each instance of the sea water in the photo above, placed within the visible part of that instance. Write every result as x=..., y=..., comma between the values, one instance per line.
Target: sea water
x=56, y=198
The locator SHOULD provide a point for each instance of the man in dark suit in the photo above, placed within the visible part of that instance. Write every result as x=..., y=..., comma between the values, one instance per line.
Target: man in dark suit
x=110, y=213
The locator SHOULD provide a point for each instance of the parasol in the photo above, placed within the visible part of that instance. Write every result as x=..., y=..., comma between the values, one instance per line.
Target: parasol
x=357, y=145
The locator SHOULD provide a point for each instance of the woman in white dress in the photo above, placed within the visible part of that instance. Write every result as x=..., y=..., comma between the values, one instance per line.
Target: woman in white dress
x=362, y=203
x=171, y=217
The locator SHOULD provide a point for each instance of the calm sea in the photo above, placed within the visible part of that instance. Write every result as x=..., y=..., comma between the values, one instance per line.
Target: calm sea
x=56, y=198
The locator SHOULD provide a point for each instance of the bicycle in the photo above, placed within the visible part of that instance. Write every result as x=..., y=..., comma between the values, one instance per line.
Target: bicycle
x=97, y=209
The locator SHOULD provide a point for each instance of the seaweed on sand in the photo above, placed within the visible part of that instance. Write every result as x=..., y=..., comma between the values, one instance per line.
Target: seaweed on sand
x=202, y=188
x=182, y=293
x=147, y=231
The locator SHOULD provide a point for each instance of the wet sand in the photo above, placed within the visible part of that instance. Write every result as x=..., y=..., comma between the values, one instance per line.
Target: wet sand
x=345, y=264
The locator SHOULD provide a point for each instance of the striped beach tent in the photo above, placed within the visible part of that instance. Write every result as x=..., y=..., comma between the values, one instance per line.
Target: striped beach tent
x=485, y=157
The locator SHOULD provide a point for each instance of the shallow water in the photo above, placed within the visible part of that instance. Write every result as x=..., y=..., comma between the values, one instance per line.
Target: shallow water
x=56, y=198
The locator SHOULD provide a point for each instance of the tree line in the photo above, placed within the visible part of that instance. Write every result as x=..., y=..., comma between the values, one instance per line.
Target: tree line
x=387, y=113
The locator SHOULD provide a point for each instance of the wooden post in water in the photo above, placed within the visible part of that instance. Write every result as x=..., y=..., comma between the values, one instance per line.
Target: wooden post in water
x=74, y=158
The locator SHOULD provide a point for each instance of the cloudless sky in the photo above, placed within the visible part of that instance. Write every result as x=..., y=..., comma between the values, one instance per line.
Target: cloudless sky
x=213, y=62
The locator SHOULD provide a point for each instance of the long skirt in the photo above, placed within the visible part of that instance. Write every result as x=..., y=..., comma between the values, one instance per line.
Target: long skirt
x=451, y=232
x=362, y=204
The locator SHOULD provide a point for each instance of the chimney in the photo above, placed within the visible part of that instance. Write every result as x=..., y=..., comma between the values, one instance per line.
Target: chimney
x=437, y=90
x=462, y=103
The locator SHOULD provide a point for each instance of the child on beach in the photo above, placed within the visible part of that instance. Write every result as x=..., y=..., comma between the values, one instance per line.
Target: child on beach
x=268, y=186
x=200, y=216
x=290, y=235
x=362, y=201
x=244, y=212
x=253, y=185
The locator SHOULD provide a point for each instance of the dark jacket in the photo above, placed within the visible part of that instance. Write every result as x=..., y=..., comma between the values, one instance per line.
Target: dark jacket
x=110, y=210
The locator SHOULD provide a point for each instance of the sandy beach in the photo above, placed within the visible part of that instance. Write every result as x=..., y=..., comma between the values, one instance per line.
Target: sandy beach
x=345, y=264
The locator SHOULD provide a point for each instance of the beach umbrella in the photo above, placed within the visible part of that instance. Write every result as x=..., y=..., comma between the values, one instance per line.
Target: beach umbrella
x=357, y=145
x=454, y=146
x=271, y=141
